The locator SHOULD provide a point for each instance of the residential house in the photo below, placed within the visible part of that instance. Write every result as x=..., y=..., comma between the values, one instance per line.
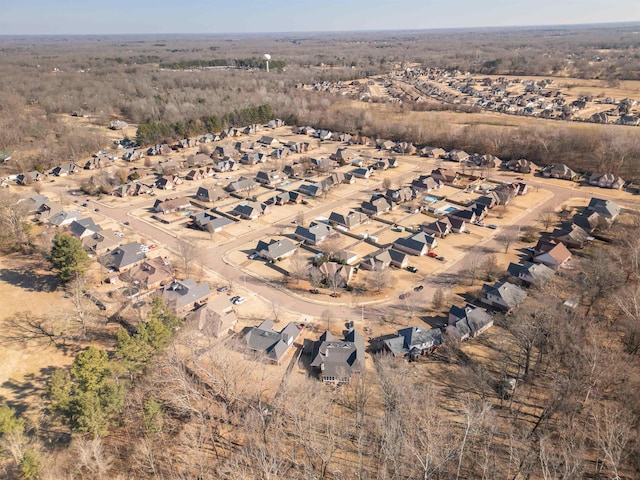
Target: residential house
x=413, y=342
x=376, y=206
x=439, y=228
x=393, y=162
x=571, y=235
x=348, y=221
x=336, y=274
x=165, y=183
x=551, y=253
x=269, y=141
x=467, y=216
x=426, y=183
x=314, y=234
x=182, y=295
x=35, y=202
x=253, y=158
x=211, y=194
x=294, y=170
x=457, y=225
x=276, y=249
x=433, y=152
x=65, y=169
x=273, y=344
x=560, y=171
x=210, y=223
x=271, y=177
x=150, y=274
x=63, y=217
x=591, y=221
x=343, y=155
x=312, y=189
x=83, y=227
x=444, y=175
x=361, y=172
x=606, y=208
x=417, y=244
x=225, y=151
x=346, y=257
x=195, y=175
x=468, y=321
x=225, y=165
x=336, y=360
x=170, y=205
x=284, y=198
x=251, y=210
x=521, y=166
x=215, y=319
x=606, y=180
x=503, y=295
x=124, y=257
x=400, y=195
x=243, y=184
x=458, y=156
x=96, y=162
x=531, y=273
x=100, y=242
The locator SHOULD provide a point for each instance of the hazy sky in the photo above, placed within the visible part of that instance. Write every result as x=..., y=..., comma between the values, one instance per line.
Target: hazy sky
x=215, y=16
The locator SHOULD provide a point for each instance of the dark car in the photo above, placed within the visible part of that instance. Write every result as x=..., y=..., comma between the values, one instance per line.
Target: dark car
x=419, y=288
x=96, y=209
x=224, y=288
x=126, y=223
x=404, y=295
x=412, y=269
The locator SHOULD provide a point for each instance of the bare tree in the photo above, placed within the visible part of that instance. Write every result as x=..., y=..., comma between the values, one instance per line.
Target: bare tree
x=547, y=218
x=379, y=279
x=471, y=265
x=187, y=252
x=327, y=316
x=387, y=183
x=439, y=298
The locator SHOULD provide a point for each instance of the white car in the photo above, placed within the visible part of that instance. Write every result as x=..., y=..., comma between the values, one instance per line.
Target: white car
x=239, y=300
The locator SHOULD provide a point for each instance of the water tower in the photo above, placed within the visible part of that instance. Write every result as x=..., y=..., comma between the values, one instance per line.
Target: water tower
x=267, y=57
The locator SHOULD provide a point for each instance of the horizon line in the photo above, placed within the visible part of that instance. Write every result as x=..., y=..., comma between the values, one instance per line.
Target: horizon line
x=628, y=23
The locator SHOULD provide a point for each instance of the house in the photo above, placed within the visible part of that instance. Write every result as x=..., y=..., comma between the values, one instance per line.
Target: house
x=211, y=194
x=99, y=243
x=503, y=295
x=225, y=151
x=251, y=210
x=376, y=206
x=286, y=197
x=571, y=235
x=199, y=159
x=170, y=205
x=591, y=221
x=194, y=175
x=361, y=172
x=63, y=217
x=225, y=165
x=444, y=175
x=273, y=344
x=467, y=216
x=314, y=234
x=65, y=169
x=271, y=177
x=276, y=249
x=606, y=208
x=400, y=195
x=413, y=342
x=165, y=183
x=210, y=223
x=606, y=180
x=30, y=177
x=336, y=360
x=458, y=156
x=182, y=295
x=124, y=257
x=294, y=170
x=348, y=221
x=551, y=253
x=96, y=162
x=468, y=322
x=336, y=274
x=168, y=167
x=215, y=319
x=343, y=155
x=150, y=274
x=433, y=152
x=393, y=163
x=417, y=244
x=521, y=166
x=243, y=184
x=397, y=258
x=346, y=257
x=426, y=183
x=560, y=171
x=488, y=200
x=269, y=141
x=84, y=227
x=439, y=228
x=253, y=158
x=380, y=165
x=312, y=189
x=531, y=273
x=457, y=225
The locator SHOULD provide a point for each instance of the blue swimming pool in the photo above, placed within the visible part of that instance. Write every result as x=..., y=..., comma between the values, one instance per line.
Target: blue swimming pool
x=430, y=199
x=450, y=209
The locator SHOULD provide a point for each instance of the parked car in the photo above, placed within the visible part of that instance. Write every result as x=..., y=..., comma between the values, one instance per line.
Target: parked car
x=404, y=295
x=96, y=209
x=480, y=224
x=223, y=288
x=239, y=300
x=253, y=256
x=432, y=254
x=442, y=259
x=412, y=269
x=492, y=226
x=419, y=288
x=467, y=231
x=233, y=299
x=127, y=223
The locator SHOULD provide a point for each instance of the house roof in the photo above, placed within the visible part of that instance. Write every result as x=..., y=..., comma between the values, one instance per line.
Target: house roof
x=411, y=338
x=64, y=216
x=275, y=248
x=181, y=293
x=316, y=232
x=82, y=227
x=606, y=208
x=338, y=358
x=151, y=271
x=123, y=256
x=263, y=338
x=538, y=272
x=416, y=242
x=510, y=294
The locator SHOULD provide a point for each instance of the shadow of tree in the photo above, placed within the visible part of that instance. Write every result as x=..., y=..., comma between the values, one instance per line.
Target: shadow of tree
x=30, y=280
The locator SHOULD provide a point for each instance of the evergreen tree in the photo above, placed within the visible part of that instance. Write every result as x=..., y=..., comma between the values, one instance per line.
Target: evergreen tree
x=68, y=257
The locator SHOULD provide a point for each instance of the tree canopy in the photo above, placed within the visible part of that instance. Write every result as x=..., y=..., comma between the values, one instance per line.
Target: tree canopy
x=68, y=257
